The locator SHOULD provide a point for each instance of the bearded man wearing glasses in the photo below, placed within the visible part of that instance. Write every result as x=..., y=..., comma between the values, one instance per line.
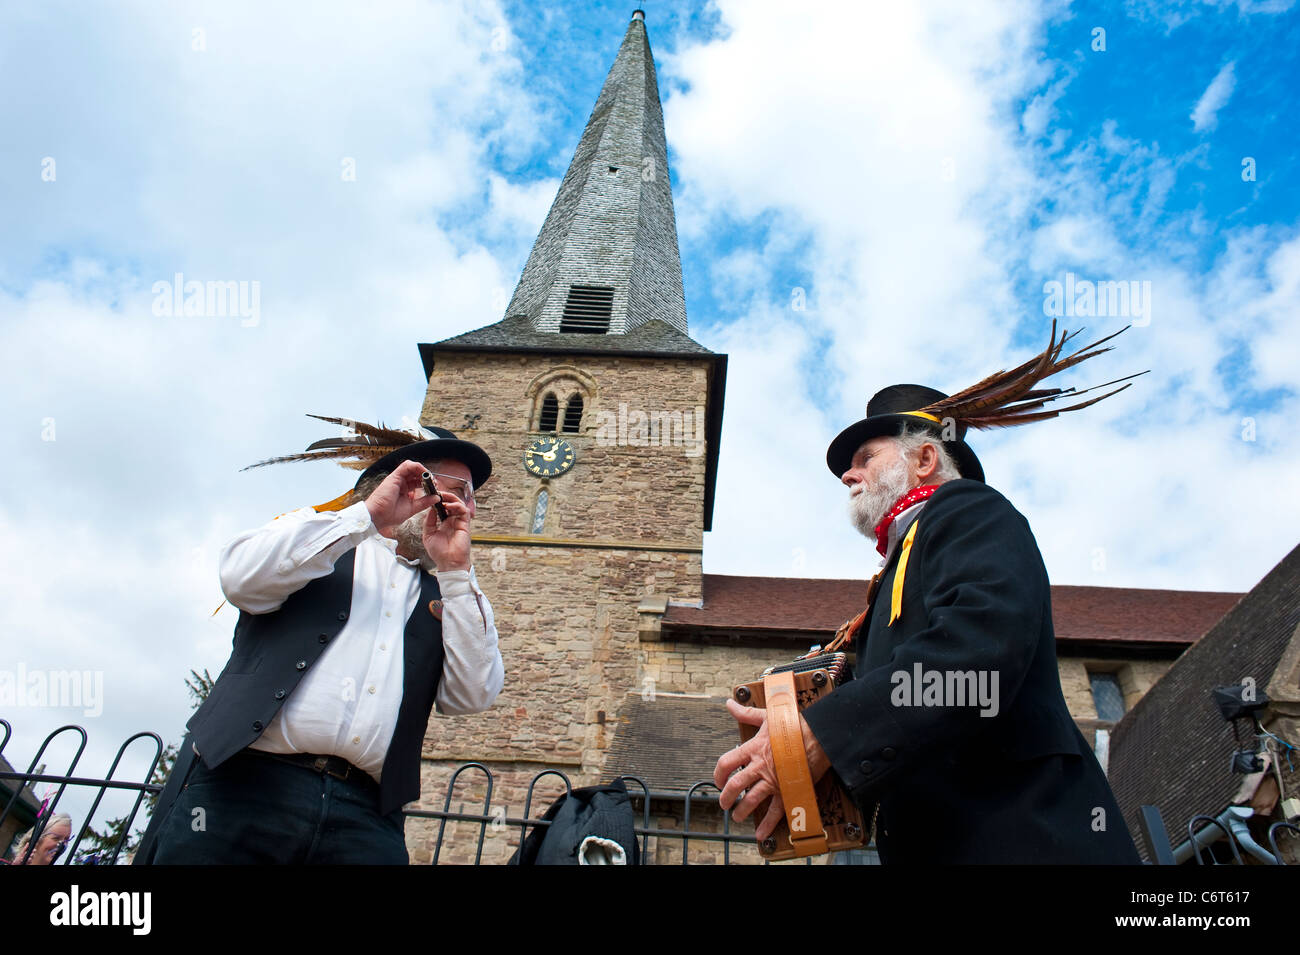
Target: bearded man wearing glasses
x=357, y=618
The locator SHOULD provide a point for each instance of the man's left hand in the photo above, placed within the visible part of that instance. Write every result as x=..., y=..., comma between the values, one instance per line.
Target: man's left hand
x=757, y=774
x=448, y=541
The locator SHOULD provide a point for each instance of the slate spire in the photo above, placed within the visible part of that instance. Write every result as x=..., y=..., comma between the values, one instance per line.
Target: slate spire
x=606, y=260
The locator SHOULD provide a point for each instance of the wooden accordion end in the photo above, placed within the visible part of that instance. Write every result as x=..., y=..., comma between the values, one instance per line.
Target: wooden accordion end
x=821, y=818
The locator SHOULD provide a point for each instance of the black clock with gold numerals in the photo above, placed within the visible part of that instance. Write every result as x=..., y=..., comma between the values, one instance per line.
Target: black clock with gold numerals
x=548, y=456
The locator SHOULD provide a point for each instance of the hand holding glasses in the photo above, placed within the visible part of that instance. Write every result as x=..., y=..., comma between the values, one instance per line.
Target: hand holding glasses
x=461, y=488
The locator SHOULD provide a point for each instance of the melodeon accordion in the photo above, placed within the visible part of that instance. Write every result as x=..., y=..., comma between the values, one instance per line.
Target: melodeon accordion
x=821, y=818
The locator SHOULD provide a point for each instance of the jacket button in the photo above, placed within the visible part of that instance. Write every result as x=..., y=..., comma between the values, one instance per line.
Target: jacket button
x=865, y=767
x=343, y=615
x=323, y=638
x=257, y=726
x=301, y=665
x=889, y=752
x=279, y=694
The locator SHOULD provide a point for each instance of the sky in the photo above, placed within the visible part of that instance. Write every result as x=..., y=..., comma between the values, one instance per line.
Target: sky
x=865, y=195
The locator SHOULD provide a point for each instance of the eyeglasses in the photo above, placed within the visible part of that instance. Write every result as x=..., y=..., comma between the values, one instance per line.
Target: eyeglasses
x=455, y=485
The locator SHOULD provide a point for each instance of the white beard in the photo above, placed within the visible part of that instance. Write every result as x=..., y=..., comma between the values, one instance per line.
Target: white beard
x=868, y=507
x=410, y=536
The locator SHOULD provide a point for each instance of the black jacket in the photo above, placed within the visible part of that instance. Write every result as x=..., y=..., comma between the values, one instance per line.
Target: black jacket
x=273, y=651
x=1020, y=786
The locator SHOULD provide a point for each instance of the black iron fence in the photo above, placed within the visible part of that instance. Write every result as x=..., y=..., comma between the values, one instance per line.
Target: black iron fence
x=488, y=818
x=17, y=789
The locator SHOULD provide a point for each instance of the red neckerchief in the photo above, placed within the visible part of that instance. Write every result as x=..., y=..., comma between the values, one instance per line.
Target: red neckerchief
x=902, y=504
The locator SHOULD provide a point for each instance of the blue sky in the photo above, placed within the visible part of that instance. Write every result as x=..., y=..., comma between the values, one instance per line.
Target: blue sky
x=913, y=174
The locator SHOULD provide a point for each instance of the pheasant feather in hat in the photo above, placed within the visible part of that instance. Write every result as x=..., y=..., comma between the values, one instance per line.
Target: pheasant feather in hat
x=372, y=449
x=1002, y=400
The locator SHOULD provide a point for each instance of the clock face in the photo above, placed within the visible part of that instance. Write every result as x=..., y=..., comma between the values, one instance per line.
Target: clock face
x=548, y=456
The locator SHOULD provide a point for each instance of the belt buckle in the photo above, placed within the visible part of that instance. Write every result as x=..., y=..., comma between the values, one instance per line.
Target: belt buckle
x=323, y=765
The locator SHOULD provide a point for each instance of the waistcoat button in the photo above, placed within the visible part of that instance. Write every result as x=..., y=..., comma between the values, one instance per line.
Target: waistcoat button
x=343, y=615
x=301, y=664
x=257, y=726
x=279, y=694
x=323, y=638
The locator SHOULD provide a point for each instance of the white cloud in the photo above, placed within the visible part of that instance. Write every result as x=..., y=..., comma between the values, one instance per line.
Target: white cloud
x=222, y=164
x=1205, y=115
x=917, y=272
x=1174, y=15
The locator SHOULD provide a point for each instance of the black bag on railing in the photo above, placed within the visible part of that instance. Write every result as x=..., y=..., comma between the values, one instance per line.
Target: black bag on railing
x=591, y=826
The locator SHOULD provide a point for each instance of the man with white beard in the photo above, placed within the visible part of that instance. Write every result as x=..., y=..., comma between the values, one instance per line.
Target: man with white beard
x=357, y=618
x=962, y=600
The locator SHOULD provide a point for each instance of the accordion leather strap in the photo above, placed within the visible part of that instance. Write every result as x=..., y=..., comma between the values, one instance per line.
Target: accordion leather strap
x=791, y=764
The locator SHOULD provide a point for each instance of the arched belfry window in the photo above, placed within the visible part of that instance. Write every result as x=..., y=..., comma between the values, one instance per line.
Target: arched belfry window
x=550, y=414
x=558, y=398
x=573, y=415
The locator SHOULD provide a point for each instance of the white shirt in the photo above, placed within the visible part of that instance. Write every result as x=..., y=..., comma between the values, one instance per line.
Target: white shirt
x=347, y=703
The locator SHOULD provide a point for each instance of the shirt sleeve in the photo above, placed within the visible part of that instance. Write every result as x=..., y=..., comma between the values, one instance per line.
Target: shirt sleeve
x=472, y=671
x=984, y=596
x=261, y=568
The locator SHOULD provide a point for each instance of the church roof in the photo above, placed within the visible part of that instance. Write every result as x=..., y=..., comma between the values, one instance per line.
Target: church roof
x=1172, y=750
x=1083, y=616
x=671, y=742
x=654, y=339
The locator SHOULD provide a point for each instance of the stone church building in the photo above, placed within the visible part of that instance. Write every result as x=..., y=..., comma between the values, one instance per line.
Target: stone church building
x=604, y=418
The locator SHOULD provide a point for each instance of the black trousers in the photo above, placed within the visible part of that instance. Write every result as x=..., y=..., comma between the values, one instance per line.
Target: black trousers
x=257, y=810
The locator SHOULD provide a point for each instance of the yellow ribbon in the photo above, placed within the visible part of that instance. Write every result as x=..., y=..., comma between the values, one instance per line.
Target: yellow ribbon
x=896, y=601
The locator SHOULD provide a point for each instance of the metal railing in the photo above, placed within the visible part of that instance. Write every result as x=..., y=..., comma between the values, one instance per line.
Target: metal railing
x=487, y=819
x=1203, y=831
x=675, y=804
x=68, y=778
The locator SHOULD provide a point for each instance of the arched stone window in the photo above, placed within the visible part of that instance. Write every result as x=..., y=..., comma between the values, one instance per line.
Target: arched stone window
x=550, y=413
x=559, y=398
x=539, y=511
x=573, y=414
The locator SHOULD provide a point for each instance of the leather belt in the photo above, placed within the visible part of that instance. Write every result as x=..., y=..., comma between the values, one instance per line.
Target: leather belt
x=335, y=766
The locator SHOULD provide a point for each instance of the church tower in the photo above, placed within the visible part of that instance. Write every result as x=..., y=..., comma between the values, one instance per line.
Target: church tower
x=602, y=417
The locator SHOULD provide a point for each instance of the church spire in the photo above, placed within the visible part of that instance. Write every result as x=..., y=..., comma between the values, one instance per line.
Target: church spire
x=606, y=260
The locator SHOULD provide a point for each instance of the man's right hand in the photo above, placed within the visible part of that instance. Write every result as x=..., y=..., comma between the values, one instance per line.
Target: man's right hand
x=398, y=498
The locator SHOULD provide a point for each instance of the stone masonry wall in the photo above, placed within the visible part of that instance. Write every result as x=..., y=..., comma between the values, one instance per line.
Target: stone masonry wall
x=645, y=493
x=568, y=634
x=701, y=669
x=566, y=615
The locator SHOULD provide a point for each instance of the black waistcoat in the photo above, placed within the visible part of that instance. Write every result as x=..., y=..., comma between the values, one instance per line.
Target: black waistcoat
x=274, y=650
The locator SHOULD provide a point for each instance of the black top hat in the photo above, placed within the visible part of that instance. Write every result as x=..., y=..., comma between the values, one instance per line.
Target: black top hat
x=888, y=411
x=438, y=443
x=375, y=449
